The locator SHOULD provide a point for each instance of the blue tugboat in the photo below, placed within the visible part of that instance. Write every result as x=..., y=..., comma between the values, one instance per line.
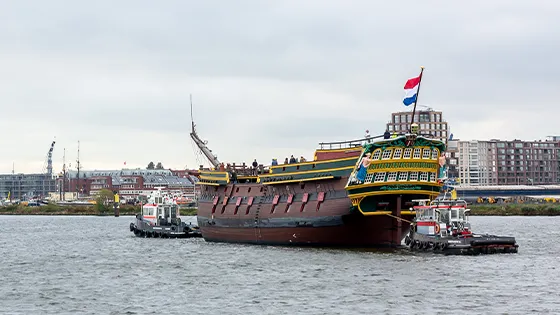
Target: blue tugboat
x=442, y=226
x=160, y=218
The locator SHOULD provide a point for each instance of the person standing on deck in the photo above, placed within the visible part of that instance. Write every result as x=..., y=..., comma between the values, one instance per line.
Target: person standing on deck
x=387, y=134
x=255, y=164
x=362, y=171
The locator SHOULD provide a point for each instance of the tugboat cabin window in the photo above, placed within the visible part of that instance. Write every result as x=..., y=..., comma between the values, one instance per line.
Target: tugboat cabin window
x=174, y=211
x=454, y=214
x=426, y=214
x=167, y=211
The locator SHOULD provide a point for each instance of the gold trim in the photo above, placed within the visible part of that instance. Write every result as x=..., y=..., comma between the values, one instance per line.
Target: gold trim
x=298, y=180
x=374, y=213
x=210, y=184
x=313, y=162
x=395, y=192
x=213, y=178
x=214, y=172
x=435, y=184
x=408, y=212
x=308, y=172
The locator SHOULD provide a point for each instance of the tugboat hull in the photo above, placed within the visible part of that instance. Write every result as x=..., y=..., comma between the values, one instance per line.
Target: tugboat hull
x=472, y=245
x=143, y=228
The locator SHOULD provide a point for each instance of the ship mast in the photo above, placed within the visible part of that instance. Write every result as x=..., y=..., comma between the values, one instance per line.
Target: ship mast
x=78, y=167
x=202, y=144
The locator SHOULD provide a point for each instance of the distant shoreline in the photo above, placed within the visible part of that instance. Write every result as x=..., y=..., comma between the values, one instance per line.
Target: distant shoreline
x=124, y=210
x=545, y=209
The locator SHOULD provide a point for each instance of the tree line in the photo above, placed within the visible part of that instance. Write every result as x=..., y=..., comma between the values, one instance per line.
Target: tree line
x=152, y=166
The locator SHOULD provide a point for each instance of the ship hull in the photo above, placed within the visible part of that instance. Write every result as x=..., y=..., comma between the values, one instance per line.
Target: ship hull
x=332, y=222
x=375, y=232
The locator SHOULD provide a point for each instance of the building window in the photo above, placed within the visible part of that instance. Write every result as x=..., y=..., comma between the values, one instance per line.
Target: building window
x=407, y=153
x=387, y=154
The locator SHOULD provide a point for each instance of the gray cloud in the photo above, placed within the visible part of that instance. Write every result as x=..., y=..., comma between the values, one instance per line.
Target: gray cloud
x=268, y=78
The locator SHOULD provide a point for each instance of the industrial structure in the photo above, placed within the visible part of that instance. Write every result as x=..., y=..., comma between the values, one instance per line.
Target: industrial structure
x=27, y=186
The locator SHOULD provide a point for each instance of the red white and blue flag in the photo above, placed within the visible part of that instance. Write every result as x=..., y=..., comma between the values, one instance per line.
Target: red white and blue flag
x=411, y=90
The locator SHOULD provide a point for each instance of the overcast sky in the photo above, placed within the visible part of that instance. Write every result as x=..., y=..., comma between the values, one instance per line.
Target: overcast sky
x=268, y=78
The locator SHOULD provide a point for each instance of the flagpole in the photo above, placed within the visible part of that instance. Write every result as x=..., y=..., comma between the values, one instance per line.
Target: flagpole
x=417, y=94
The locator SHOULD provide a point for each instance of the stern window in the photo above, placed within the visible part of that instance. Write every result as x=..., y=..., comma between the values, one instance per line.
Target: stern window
x=403, y=176
x=387, y=154
x=426, y=154
x=407, y=153
x=413, y=176
x=380, y=177
x=397, y=154
x=369, y=178
x=424, y=176
x=435, y=154
x=376, y=154
x=392, y=177
x=432, y=177
x=416, y=153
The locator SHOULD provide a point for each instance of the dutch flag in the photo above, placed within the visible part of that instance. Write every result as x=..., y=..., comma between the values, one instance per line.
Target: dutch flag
x=411, y=90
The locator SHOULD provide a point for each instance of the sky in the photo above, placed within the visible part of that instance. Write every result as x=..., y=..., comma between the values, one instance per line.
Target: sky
x=268, y=78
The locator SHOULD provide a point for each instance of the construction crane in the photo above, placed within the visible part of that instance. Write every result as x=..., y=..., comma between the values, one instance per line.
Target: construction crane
x=47, y=166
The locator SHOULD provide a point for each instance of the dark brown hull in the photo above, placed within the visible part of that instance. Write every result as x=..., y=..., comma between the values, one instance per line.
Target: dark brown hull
x=331, y=222
x=373, y=232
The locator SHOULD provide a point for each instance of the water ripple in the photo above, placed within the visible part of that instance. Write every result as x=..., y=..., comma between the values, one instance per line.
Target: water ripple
x=94, y=265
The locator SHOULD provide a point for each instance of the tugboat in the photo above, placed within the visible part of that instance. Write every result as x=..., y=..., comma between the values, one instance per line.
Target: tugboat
x=160, y=218
x=442, y=226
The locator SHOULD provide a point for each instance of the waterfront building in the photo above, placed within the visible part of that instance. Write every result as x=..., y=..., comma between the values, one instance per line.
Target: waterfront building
x=26, y=186
x=129, y=183
x=476, y=163
x=509, y=162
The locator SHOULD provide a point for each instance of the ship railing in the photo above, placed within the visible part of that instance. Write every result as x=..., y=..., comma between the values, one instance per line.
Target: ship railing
x=347, y=144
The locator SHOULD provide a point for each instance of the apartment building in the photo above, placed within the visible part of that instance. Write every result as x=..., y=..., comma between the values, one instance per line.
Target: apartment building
x=430, y=122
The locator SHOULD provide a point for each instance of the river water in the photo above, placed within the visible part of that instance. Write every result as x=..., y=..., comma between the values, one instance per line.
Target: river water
x=95, y=265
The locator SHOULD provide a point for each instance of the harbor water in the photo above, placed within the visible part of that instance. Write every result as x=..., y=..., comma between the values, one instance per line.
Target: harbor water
x=95, y=265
